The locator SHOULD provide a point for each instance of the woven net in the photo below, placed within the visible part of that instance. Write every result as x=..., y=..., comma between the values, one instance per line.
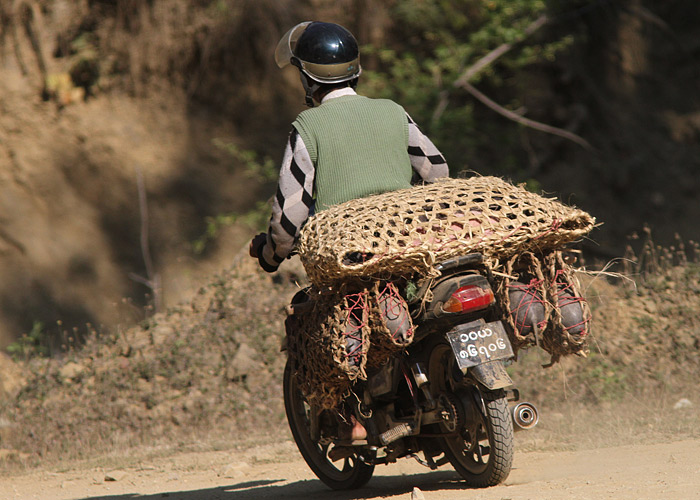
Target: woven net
x=336, y=334
x=391, y=327
x=547, y=287
x=410, y=230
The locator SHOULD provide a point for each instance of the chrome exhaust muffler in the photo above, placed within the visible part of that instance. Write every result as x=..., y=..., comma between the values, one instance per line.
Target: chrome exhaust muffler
x=524, y=416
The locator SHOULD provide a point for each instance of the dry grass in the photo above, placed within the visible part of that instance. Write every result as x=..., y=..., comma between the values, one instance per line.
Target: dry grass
x=206, y=372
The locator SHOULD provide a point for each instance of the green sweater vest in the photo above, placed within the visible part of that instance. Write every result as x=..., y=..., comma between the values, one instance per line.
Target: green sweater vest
x=359, y=147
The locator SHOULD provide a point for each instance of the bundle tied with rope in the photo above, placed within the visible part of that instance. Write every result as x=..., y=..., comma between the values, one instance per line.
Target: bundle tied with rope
x=407, y=232
x=334, y=335
x=353, y=251
x=542, y=304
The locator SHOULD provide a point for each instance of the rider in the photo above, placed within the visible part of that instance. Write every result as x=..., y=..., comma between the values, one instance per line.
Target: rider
x=348, y=147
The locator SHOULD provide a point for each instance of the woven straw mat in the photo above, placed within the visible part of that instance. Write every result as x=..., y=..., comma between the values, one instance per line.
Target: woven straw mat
x=410, y=230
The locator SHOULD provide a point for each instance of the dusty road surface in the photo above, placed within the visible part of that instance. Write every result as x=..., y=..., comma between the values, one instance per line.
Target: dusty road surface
x=660, y=471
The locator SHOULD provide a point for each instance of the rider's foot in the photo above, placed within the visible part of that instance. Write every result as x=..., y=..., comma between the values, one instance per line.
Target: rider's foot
x=358, y=430
x=352, y=431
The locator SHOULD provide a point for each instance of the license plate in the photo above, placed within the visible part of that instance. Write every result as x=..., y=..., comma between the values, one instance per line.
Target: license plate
x=477, y=343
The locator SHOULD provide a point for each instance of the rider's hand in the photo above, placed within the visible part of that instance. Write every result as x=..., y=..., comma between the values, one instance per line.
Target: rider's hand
x=256, y=244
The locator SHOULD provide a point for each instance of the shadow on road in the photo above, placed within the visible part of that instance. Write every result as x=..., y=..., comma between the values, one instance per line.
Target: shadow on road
x=378, y=487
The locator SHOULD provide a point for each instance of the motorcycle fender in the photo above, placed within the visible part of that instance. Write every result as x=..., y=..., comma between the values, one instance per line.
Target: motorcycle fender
x=492, y=375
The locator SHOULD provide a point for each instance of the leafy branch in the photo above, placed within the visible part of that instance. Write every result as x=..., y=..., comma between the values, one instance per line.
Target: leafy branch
x=452, y=49
x=483, y=62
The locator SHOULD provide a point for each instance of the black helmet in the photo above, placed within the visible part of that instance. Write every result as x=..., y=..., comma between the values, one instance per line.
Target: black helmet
x=326, y=53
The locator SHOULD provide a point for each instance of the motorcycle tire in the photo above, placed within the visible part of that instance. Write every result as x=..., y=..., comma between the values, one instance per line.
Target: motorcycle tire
x=486, y=460
x=481, y=451
x=351, y=473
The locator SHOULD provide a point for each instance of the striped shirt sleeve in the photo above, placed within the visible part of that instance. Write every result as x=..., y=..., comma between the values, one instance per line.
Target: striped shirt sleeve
x=426, y=159
x=292, y=203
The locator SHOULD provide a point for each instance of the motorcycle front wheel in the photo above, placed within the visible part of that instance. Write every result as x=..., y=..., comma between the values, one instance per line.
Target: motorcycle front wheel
x=349, y=473
x=481, y=449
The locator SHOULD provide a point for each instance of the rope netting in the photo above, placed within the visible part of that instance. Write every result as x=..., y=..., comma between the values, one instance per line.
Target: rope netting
x=408, y=231
x=528, y=308
x=570, y=320
x=543, y=305
x=392, y=327
x=335, y=334
x=350, y=326
x=356, y=318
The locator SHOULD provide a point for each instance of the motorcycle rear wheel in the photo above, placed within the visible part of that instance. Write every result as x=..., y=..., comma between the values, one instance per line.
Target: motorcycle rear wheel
x=482, y=450
x=351, y=473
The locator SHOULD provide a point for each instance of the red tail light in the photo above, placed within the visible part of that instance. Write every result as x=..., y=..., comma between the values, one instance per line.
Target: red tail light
x=469, y=298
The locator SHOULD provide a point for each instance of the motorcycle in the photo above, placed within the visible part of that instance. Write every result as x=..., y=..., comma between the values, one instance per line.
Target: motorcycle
x=446, y=396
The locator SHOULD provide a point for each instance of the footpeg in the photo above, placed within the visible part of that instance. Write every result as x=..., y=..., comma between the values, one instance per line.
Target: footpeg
x=398, y=432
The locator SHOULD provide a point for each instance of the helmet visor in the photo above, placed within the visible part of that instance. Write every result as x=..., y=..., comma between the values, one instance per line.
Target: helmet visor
x=285, y=48
x=332, y=73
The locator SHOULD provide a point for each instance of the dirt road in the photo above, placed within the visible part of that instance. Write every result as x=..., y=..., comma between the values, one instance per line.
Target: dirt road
x=661, y=471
